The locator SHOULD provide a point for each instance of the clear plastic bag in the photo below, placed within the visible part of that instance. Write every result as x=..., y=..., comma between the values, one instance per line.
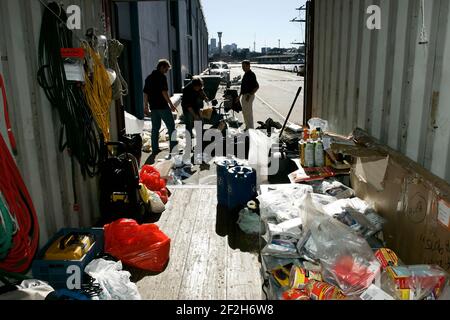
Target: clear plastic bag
x=346, y=258
x=356, y=214
x=281, y=249
x=445, y=293
x=419, y=282
x=322, y=199
x=336, y=189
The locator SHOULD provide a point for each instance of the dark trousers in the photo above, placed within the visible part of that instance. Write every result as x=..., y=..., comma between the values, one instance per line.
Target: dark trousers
x=166, y=116
x=190, y=124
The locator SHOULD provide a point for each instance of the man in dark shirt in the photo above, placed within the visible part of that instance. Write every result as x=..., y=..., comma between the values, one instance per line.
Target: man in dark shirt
x=157, y=102
x=192, y=103
x=249, y=88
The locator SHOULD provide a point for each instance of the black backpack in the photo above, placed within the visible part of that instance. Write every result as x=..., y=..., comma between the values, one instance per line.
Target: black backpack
x=119, y=185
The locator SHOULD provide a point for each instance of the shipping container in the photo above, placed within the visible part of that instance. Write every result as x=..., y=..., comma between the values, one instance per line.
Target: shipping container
x=393, y=81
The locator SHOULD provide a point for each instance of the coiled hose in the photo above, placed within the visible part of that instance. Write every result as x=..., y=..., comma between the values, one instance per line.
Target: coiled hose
x=7, y=229
x=19, y=243
x=82, y=136
x=98, y=91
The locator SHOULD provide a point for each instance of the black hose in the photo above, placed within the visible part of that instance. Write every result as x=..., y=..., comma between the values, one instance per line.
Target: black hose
x=82, y=136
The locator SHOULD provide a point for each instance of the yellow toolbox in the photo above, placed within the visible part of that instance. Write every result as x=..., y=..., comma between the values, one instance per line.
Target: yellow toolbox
x=70, y=247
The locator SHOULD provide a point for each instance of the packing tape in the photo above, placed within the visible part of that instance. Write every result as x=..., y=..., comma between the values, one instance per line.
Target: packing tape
x=252, y=205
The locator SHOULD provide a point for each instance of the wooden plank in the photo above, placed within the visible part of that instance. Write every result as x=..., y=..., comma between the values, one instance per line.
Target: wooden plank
x=202, y=264
x=177, y=201
x=215, y=287
x=197, y=261
x=173, y=277
x=243, y=276
x=165, y=285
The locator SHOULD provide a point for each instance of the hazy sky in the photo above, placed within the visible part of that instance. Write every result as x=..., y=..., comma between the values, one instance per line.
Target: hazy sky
x=242, y=20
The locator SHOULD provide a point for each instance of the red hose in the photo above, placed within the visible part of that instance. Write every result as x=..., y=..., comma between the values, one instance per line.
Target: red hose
x=12, y=141
x=14, y=191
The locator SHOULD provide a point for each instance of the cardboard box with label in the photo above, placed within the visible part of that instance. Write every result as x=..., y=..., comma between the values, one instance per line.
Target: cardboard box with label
x=415, y=202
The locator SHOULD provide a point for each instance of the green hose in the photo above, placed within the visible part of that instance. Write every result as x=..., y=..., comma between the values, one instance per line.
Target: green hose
x=7, y=229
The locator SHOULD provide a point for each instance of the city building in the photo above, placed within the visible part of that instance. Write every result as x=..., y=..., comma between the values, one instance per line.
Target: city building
x=213, y=46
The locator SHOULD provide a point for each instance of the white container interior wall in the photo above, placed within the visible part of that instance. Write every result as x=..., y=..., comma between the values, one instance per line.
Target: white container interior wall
x=36, y=125
x=387, y=81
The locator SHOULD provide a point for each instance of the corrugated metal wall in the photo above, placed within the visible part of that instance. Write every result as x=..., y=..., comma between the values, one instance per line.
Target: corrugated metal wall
x=153, y=27
x=385, y=81
x=46, y=171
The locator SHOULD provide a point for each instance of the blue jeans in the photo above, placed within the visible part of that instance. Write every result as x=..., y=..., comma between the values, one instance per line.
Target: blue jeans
x=166, y=116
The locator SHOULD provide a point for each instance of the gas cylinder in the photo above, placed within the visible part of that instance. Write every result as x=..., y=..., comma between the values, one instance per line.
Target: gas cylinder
x=241, y=186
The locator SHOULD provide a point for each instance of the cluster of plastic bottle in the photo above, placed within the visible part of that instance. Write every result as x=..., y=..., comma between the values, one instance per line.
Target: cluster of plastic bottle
x=312, y=153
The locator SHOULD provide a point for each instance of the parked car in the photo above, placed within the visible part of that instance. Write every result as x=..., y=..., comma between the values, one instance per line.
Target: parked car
x=299, y=70
x=220, y=69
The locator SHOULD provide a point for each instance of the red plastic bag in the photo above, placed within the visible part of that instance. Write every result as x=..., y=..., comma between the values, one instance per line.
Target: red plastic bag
x=151, y=178
x=147, y=169
x=351, y=274
x=141, y=246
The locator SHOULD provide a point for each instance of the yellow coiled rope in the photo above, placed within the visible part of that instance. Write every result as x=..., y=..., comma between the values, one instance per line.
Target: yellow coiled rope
x=98, y=91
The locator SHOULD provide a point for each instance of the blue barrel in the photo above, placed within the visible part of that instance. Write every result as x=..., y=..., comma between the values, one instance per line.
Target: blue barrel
x=241, y=186
x=222, y=184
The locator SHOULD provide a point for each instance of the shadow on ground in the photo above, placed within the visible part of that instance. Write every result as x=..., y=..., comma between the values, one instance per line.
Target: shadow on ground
x=139, y=274
x=226, y=225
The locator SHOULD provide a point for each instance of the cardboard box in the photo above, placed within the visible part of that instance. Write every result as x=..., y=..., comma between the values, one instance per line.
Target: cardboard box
x=405, y=194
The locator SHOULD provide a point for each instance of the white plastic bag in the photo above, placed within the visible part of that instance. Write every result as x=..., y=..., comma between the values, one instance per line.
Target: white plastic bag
x=282, y=204
x=315, y=123
x=115, y=283
x=290, y=229
x=29, y=290
x=346, y=258
x=344, y=204
x=260, y=146
x=156, y=203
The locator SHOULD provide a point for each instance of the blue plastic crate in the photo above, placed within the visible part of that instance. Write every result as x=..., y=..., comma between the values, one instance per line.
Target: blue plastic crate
x=55, y=272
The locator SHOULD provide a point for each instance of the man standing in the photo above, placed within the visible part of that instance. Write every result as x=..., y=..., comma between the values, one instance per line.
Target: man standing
x=249, y=88
x=157, y=101
x=192, y=103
